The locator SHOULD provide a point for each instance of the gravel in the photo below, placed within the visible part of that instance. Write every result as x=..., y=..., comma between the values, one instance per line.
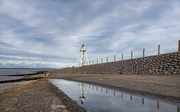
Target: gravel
x=12, y=85
x=38, y=96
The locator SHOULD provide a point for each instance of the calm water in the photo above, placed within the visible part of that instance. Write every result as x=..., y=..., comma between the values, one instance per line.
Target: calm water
x=9, y=74
x=101, y=99
x=5, y=78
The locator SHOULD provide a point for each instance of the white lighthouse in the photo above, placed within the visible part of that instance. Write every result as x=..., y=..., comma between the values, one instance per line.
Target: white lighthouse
x=83, y=59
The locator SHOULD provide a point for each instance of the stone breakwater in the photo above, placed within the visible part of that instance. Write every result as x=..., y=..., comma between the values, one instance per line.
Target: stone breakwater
x=158, y=64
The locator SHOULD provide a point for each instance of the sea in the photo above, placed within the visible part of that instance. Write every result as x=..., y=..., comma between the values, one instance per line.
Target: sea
x=7, y=74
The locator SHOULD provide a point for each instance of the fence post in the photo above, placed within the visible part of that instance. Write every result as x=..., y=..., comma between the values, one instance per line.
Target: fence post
x=122, y=56
x=101, y=60
x=97, y=61
x=143, y=52
x=131, y=54
x=114, y=57
x=107, y=59
x=93, y=62
x=89, y=62
x=179, y=46
x=158, y=49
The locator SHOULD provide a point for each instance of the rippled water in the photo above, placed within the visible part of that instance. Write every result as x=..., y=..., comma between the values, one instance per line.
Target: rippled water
x=102, y=99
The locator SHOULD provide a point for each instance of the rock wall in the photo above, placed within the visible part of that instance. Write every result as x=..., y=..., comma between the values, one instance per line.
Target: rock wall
x=158, y=64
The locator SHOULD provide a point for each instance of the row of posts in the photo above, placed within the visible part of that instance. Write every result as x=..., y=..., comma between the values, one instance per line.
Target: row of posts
x=132, y=54
x=131, y=97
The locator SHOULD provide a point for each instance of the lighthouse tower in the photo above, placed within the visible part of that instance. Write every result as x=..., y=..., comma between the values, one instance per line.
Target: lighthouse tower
x=83, y=60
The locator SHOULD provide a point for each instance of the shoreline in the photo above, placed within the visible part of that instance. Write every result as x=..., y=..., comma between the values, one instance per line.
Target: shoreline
x=164, y=86
x=160, y=97
x=48, y=97
x=40, y=95
x=26, y=78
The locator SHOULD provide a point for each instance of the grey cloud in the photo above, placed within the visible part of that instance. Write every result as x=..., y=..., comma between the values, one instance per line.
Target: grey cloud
x=53, y=31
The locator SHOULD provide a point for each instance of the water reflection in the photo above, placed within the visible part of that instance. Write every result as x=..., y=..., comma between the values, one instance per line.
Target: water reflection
x=103, y=99
x=143, y=101
x=82, y=89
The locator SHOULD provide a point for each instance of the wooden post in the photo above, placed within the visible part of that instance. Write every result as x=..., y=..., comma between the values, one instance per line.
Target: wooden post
x=179, y=46
x=131, y=54
x=101, y=60
x=107, y=59
x=114, y=57
x=93, y=62
x=122, y=56
x=143, y=52
x=158, y=49
x=97, y=61
x=89, y=62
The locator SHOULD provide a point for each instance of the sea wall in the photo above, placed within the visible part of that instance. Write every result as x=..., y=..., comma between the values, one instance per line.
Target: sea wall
x=158, y=64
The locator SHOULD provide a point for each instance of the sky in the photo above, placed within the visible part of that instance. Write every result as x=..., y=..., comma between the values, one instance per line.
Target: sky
x=49, y=33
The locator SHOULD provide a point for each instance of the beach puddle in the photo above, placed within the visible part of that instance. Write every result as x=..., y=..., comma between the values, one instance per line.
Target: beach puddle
x=103, y=99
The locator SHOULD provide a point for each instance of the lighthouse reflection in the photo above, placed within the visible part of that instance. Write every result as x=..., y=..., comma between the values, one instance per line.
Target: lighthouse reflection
x=97, y=98
x=82, y=90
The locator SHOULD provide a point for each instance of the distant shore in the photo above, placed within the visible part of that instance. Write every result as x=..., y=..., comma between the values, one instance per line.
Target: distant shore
x=18, y=74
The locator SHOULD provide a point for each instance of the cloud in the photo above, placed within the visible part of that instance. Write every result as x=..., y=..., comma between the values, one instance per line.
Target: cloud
x=52, y=32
